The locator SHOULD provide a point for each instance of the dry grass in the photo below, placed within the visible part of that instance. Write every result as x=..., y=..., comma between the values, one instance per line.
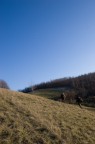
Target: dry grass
x=30, y=119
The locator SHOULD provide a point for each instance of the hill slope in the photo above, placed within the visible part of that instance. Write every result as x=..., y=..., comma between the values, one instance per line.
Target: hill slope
x=83, y=85
x=53, y=94
x=30, y=119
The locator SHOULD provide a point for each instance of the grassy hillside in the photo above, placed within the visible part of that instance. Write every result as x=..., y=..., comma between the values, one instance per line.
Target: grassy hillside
x=30, y=119
x=53, y=94
x=83, y=85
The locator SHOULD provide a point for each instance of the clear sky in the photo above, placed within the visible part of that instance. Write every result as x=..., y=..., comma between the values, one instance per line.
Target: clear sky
x=42, y=40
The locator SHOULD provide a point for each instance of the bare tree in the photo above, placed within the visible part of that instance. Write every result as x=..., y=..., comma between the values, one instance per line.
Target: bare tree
x=3, y=84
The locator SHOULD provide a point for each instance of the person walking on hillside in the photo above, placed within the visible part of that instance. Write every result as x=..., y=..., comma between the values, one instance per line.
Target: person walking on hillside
x=63, y=97
x=79, y=100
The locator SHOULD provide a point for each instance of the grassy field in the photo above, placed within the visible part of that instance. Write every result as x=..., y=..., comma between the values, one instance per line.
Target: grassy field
x=31, y=119
x=53, y=94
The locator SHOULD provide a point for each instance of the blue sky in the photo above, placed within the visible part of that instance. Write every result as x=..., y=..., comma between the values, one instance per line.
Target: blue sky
x=42, y=40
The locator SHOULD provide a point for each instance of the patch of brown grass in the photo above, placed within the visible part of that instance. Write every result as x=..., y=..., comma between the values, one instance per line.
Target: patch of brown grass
x=30, y=119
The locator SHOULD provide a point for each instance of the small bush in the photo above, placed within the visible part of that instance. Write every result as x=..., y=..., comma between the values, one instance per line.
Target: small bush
x=3, y=84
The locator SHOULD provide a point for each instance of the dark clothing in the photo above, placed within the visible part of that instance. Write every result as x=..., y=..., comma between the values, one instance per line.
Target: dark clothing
x=79, y=100
x=63, y=97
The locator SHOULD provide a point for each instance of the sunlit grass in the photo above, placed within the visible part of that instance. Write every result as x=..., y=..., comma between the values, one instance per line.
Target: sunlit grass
x=30, y=119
